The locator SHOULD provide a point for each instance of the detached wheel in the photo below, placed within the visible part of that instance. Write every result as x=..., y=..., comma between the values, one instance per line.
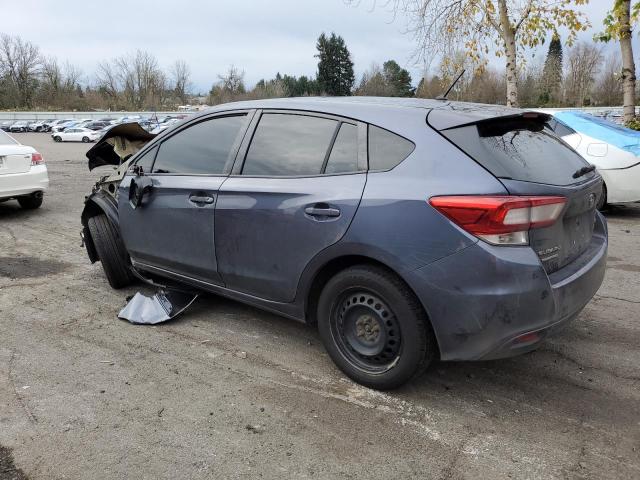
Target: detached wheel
x=111, y=251
x=374, y=327
x=32, y=201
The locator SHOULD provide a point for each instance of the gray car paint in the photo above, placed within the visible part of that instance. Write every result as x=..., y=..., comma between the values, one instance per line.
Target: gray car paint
x=264, y=237
x=477, y=296
x=170, y=231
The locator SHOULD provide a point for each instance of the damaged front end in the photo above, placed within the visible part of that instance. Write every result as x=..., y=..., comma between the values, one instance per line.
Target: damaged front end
x=116, y=148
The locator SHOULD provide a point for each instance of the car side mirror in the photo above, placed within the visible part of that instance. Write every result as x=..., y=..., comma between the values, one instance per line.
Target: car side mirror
x=138, y=188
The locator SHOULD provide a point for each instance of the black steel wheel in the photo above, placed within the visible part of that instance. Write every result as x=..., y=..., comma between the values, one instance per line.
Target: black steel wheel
x=374, y=328
x=366, y=330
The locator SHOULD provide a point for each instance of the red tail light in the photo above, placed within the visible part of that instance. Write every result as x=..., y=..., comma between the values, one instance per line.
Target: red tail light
x=36, y=159
x=500, y=220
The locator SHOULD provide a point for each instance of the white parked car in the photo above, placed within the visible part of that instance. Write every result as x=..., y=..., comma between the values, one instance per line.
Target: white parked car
x=23, y=174
x=76, y=134
x=612, y=148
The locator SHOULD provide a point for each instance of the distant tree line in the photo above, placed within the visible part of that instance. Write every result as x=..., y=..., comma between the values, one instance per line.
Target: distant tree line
x=579, y=76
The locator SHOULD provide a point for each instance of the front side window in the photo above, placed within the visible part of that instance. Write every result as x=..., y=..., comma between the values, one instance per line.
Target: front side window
x=146, y=160
x=289, y=145
x=201, y=149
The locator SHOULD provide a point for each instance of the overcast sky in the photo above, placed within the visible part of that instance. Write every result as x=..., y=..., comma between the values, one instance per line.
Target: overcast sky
x=261, y=37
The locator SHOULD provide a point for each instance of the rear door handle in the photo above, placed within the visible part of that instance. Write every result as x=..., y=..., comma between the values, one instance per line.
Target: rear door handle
x=200, y=199
x=322, y=212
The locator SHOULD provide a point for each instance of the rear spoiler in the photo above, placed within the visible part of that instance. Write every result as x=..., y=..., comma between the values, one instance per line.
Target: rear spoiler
x=118, y=144
x=441, y=119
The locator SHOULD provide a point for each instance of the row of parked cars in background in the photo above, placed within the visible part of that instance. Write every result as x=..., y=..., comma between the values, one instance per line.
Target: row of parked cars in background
x=87, y=129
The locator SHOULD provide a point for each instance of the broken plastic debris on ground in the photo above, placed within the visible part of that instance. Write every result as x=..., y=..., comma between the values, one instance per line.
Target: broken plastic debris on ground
x=161, y=306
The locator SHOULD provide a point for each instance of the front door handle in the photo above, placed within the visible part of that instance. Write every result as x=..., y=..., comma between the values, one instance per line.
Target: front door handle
x=201, y=199
x=322, y=211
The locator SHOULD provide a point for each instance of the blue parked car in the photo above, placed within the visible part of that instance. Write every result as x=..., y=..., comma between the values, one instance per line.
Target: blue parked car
x=407, y=230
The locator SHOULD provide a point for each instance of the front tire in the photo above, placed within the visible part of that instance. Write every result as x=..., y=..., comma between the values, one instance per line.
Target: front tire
x=374, y=328
x=111, y=251
x=85, y=139
x=57, y=139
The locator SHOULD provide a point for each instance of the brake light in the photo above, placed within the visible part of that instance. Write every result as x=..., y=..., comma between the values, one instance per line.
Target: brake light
x=36, y=159
x=500, y=220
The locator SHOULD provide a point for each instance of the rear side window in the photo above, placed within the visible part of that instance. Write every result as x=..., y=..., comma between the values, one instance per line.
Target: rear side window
x=289, y=145
x=201, y=149
x=386, y=149
x=344, y=154
x=518, y=149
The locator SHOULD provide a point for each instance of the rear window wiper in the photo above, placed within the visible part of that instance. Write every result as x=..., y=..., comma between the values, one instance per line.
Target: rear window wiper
x=583, y=171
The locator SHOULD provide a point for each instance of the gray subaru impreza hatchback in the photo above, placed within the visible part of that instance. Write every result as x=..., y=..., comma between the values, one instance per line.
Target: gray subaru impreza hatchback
x=406, y=229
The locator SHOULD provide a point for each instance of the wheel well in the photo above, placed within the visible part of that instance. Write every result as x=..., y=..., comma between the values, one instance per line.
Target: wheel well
x=91, y=209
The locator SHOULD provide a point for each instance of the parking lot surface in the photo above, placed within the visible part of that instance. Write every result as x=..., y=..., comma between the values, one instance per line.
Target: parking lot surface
x=228, y=391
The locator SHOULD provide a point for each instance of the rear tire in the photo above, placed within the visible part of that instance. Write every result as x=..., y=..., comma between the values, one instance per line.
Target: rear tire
x=85, y=139
x=111, y=251
x=57, y=139
x=32, y=201
x=374, y=328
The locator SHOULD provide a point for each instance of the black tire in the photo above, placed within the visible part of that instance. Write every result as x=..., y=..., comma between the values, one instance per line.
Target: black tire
x=111, y=251
x=374, y=328
x=85, y=139
x=32, y=201
x=57, y=139
x=602, y=201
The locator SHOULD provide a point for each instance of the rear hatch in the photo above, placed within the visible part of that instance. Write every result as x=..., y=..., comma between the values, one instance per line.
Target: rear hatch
x=529, y=159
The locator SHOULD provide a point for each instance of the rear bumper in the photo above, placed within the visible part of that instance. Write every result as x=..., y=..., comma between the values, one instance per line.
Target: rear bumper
x=489, y=302
x=17, y=184
x=623, y=185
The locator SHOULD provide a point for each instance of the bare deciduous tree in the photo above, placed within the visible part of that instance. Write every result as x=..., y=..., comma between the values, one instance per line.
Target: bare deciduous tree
x=229, y=87
x=58, y=84
x=181, y=77
x=19, y=64
x=373, y=83
x=608, y=89
x=582, y=67
x=135, y=81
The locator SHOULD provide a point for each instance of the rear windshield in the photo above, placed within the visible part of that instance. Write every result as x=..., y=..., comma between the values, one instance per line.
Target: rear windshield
x=6, y=139
x=519, y=149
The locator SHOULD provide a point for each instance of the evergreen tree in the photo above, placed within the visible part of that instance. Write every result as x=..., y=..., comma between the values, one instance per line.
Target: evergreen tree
x=335, y=68
x=398, y=79
x=552, y=74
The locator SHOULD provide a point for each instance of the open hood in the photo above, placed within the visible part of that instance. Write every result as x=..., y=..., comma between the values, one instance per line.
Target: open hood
x=118, y=144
